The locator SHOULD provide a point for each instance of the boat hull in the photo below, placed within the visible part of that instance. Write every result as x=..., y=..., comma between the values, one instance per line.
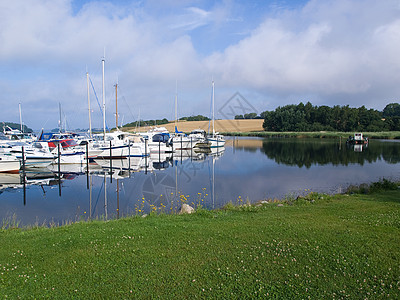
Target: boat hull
x=9, y=166
x=216, y=142
x=182, y=143
x=119, y=152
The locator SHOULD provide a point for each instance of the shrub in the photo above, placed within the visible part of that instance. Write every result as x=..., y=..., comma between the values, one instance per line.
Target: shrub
x=381, y=185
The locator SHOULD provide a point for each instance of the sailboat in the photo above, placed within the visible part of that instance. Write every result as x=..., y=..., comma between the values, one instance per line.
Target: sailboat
x=180, y=141
x=117, y=144
x=215, y=139
x=16, y=136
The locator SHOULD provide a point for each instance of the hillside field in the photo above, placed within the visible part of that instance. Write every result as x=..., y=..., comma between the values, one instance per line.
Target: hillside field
x=220, y=126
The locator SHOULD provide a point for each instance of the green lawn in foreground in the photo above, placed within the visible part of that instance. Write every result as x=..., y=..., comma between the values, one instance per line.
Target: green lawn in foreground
x=336, y=247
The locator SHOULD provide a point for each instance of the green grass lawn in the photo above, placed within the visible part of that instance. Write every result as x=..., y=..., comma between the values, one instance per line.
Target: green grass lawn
x=344, y=246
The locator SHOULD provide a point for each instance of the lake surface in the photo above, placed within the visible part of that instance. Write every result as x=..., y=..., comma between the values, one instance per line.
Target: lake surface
x=247, y=168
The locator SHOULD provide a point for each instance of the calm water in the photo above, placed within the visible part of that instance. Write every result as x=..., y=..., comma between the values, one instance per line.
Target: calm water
x=248, y=168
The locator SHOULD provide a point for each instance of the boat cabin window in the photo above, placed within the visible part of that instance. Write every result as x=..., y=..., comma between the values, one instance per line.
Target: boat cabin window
x=68, y=143
x=16, y=137
x=37, y=145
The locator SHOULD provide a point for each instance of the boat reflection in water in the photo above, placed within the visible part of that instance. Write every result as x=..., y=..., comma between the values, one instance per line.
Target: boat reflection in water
x=104, y=188
x=29, y=177
x=245, y=169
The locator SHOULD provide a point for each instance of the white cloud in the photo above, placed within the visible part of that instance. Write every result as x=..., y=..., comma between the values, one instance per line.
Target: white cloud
x=193, y=18
x=335, y=52
x=327, y=48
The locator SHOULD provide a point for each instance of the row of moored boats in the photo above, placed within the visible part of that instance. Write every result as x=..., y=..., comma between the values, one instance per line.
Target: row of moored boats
x=20, y=150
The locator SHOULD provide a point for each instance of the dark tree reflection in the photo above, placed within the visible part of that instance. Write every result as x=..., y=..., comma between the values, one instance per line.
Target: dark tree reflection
x=308, y=152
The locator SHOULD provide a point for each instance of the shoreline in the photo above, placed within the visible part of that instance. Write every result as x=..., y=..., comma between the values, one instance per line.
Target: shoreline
x=389, y=135
x=318, y=246
x=12, y=222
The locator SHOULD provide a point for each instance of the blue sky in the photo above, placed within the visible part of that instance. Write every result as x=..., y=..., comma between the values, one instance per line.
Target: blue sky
x=342, y=52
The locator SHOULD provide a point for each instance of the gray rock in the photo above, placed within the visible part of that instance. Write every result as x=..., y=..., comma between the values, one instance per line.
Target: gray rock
x=186, y=209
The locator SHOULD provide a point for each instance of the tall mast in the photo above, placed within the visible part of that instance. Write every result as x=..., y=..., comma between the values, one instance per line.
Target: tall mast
x=139, y=120
x=20, y=117
x=176, y=105
x=60, y=120
x=88, y=97
x=116, y=105
x=104, y=102
x=213, y=107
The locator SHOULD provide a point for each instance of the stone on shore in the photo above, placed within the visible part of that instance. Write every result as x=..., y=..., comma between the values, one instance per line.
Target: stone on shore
x=186, y=209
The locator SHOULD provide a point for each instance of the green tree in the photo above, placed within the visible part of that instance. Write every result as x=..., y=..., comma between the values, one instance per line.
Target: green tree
x=250, y=116
x=391, y=110
x=393, y=123
x=270, y=121
x=341, y=118
x=195, y=118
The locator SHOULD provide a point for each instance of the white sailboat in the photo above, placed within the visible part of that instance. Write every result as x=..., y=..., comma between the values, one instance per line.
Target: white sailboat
x=117, y=144
x=17, y=136
x=180, y=141
x=157, y=140
x=215, y=139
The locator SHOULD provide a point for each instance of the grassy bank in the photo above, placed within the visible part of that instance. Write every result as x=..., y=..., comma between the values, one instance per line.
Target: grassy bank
x=343, y=246
x=318, y=134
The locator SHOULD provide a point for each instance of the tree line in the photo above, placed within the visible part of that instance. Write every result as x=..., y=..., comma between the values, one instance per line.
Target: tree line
x=164, y=121
x=147, y=123
x=306, y=117
x=247, y=116
x=195, y=118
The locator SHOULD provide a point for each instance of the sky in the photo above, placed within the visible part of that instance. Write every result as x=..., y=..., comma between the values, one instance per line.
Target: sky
x=260, y=55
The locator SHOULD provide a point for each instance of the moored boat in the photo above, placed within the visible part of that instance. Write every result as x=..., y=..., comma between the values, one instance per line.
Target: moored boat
x=357, y=139
x=119, y=144
x=216, y=140
x=36, y=154
x=9, y=164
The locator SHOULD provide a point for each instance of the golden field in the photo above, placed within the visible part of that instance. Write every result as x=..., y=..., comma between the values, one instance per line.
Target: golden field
x=220, y=126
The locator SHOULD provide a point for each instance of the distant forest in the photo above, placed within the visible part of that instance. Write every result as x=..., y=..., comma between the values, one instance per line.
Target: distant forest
x=146, y=123
x=195, y=118
x=337, y=118
x=303, y=117
x=247, y=116
x=164, y=121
